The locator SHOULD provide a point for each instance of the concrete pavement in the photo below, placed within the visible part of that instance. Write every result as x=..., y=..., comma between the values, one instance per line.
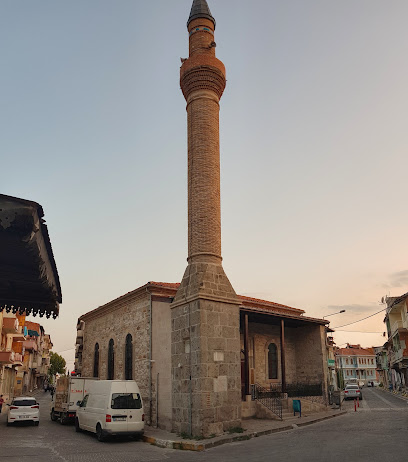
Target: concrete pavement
x=376, y=432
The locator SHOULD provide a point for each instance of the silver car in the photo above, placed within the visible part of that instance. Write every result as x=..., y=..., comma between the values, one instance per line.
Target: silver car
x=352, y=392
x=23, y=409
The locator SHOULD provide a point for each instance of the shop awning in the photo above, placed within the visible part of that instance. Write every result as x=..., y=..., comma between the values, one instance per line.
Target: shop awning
x=29, y=281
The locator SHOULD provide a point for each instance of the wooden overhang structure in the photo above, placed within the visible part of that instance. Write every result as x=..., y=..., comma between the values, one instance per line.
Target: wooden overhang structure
x=29, y=282
x=264, y=312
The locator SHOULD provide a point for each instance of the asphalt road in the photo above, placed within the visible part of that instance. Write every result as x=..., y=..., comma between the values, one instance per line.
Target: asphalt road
x=378, y=431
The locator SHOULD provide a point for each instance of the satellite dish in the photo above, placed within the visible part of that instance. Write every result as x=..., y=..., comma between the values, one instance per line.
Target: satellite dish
x=382, y=300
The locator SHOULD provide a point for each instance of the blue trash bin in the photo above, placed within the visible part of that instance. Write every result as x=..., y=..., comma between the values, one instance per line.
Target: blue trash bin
x=297, y=407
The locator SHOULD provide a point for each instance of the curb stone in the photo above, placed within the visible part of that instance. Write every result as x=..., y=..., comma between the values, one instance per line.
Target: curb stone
x=197, y=446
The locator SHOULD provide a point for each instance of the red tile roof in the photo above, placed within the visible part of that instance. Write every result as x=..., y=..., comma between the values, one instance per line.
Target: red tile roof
x=246, y=301
x=167, y=285
x=268, y=304
x=354, y=352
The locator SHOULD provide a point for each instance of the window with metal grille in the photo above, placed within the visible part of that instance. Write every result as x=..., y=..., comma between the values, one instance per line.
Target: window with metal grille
x=96, y=361
x=111, y=360
x=273, y=361
x=128, y=357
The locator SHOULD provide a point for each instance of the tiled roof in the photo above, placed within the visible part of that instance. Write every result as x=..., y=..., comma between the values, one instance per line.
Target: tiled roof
x=268, y=304
x=248, y=302
x=166, y=285
x=355, y=352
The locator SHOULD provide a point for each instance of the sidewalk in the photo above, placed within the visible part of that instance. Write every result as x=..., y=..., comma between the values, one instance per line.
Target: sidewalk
x=252, y=428
x=400, y=394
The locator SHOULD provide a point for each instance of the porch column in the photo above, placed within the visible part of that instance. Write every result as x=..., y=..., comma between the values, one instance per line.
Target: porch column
x=246, y=359
x=282, y=345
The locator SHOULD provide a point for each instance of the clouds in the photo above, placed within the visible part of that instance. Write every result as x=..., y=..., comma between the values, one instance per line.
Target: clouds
x=395, y=280
x=399, y=279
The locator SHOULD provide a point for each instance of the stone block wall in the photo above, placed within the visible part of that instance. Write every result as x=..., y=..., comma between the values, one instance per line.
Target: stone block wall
x=206, y=347
x=116, y=320
x=311, y=354
x=161, y=366
x=261, y=335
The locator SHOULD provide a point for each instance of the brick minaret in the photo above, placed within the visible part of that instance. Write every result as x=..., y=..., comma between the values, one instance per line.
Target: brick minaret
x=205, y=311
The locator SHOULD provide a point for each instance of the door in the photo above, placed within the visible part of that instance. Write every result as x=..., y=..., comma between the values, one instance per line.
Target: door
x=83, y=415
x=243, y=380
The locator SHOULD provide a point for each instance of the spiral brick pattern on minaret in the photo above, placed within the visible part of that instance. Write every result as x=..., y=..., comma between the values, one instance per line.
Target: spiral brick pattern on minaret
x=202, y=81
x=204, y=216
x=205, y=310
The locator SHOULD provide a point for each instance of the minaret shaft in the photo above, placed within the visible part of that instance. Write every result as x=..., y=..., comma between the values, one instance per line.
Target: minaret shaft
x=204, y=208
x=206, y=383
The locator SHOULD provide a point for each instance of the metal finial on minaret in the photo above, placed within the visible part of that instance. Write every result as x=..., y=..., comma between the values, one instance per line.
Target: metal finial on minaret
x=200, y=9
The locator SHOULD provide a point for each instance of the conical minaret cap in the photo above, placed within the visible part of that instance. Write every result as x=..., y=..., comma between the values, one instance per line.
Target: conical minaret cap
x=200, y=9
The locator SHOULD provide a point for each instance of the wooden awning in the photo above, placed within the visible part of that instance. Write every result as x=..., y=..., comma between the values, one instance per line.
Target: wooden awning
x=29, y=281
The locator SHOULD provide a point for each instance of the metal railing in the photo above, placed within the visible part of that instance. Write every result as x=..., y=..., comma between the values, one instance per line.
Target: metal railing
x=298, y=390
x=267, y=398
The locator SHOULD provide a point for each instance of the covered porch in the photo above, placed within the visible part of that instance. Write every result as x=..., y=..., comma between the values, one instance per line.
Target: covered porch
x=283, y=355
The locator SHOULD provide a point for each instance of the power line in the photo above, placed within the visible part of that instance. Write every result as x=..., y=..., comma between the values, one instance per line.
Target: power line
x=359, y=331
x=350, y=323
x=62, y=351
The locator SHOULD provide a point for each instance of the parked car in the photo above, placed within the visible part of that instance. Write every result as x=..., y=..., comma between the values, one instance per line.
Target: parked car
x=111, y=408
x=373, y=383
x=352, y=392
x=23, y=409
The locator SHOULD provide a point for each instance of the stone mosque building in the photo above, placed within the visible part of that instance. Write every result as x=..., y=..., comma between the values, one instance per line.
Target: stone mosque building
x=197, y=349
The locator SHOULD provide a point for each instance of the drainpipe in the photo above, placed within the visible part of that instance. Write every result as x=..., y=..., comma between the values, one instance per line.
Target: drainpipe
x=157, y=400
x=190, y=416
x=150, y=356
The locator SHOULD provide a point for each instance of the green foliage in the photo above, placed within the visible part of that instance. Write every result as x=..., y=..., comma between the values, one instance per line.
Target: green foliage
x=236, y=430
x=57, y=365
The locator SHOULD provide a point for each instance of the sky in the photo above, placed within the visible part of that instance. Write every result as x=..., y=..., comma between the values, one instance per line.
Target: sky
x=313, y=149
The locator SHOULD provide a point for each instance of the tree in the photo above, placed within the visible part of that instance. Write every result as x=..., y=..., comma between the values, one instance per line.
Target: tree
x=57, y=365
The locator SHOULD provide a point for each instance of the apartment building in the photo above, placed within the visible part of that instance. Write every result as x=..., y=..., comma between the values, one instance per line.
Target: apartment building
x=396, y=321
x=11, y=352
x=356, y=363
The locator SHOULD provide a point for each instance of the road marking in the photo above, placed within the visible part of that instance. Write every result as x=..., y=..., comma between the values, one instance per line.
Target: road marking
x=364, y=405
x=385, y=400
x=388, y=409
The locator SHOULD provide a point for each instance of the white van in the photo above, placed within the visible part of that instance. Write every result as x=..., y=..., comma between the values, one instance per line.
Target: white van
x=110, y=408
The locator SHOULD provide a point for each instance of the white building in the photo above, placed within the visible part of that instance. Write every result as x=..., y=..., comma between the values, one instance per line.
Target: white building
x=356, y=363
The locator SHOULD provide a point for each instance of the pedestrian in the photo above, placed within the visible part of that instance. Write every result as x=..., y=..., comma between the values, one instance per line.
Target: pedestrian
x=1, y=402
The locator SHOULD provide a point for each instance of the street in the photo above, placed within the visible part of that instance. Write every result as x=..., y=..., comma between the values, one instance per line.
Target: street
x=376, y=432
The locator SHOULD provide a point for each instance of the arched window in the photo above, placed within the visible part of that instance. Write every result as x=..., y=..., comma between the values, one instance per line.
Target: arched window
x=128, y=357
x=273, y=361
x=96, y=361
x=111, y=360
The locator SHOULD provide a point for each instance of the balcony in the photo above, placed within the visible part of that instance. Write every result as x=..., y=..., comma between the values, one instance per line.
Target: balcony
x=18, y=347
x=7, y=357
x=18, y=336
x=80, y=333
x=43, y=370
x=30, y=345
x=10, y=326
x=78, y=348
x=18, y=359
x=396, y=327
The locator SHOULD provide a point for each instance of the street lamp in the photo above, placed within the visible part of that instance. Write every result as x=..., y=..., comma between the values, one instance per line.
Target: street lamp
x=327, y=315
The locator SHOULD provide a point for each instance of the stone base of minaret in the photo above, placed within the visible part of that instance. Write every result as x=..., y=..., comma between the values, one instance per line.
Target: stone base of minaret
x=206, y=363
